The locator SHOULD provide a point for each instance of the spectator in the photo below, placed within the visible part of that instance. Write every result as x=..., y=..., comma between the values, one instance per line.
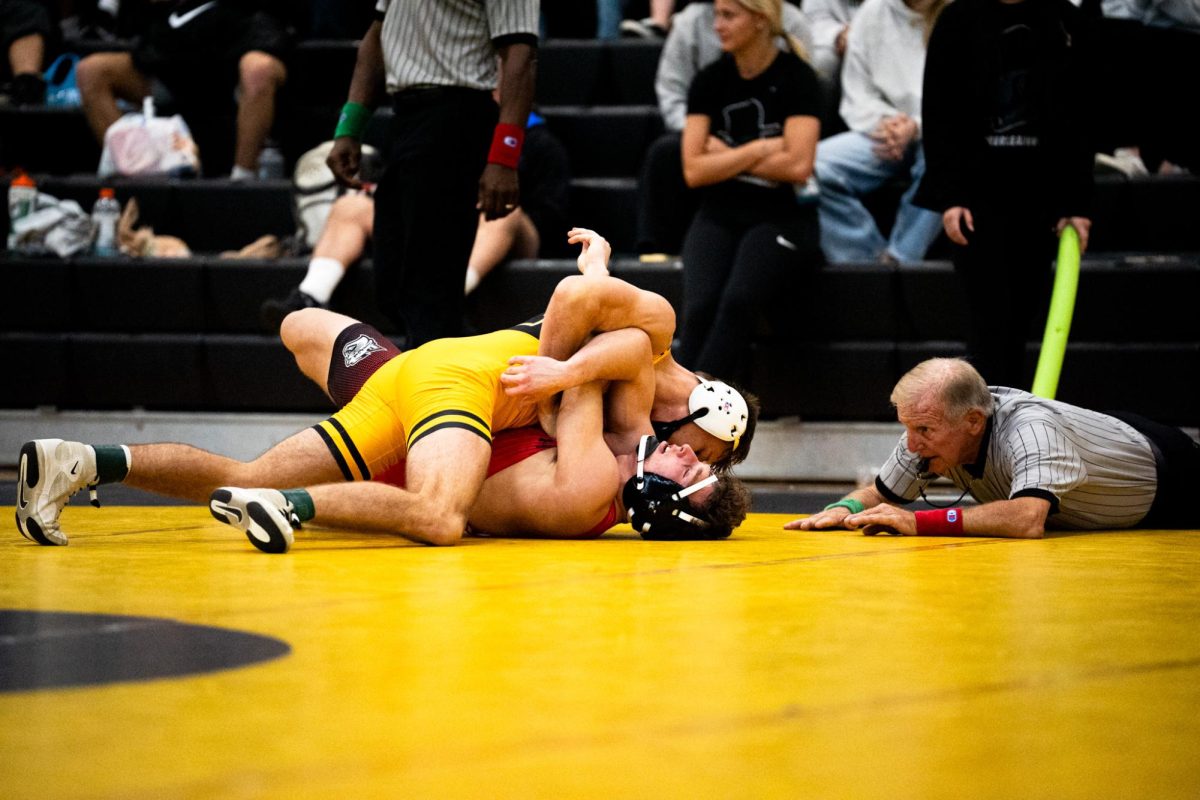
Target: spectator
x=439, y=61
x=750, y=135
x=25, y=28
x=654, y=26
x=200, y=51
x=665, y=206
x=1183, y=14
x=830, y=21
x=1009, y=160
x=881, y=104
x=1156, y=126
x=537, y=227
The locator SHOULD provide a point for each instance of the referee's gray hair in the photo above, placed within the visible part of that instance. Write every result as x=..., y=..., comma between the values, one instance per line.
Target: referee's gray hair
x=953, y=381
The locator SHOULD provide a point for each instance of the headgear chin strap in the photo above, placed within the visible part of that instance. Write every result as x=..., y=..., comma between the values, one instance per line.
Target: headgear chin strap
x=657, y=507
x=716, y=408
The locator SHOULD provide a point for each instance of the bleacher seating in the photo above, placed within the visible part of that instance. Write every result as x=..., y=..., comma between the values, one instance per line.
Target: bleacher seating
x=183, y=334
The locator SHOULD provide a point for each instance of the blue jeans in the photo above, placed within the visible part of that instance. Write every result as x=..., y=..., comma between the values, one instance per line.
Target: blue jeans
x=848, y=170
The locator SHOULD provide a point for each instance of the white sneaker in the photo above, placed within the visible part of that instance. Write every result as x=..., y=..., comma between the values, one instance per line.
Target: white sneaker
x=264, y=515
x=50, y=472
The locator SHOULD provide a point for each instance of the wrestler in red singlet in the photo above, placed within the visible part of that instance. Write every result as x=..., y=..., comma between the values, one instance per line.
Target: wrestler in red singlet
x=509, y=447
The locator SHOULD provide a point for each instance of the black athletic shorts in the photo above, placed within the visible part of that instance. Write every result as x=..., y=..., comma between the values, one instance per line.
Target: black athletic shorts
x=195, y=47
x=21, y=18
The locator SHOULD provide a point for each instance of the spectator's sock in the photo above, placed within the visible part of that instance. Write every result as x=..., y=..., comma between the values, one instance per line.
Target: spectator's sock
x=473, y=279
x=112, y=462
x=302, y=503
x=324, y=274
x=241, y=173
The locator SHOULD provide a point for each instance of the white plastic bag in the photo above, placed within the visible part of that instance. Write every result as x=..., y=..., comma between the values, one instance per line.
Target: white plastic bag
x=143, y=144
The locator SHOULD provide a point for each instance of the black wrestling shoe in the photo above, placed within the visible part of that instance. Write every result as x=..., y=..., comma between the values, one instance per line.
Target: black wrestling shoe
x=274, y=309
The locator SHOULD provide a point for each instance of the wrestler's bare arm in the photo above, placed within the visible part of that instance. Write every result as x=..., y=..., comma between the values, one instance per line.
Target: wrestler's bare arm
x=595, y=301
x=559, y=493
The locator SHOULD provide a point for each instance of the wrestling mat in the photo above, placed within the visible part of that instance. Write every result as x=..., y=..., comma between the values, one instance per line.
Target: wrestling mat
x=160, y=655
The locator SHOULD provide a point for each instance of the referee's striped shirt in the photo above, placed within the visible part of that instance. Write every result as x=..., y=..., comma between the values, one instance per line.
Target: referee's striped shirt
x=1096, y=471
x=450, y=42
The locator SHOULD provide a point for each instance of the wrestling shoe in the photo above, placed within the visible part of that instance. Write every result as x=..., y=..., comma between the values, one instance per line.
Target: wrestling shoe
x=264, y=515
x=274, y=309
x=50, y=471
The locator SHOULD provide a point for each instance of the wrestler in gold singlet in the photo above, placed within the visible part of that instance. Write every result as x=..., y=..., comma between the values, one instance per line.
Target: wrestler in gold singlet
x=446, y=383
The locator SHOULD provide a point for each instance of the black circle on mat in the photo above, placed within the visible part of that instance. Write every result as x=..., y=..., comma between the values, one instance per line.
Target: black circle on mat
x=49, y=649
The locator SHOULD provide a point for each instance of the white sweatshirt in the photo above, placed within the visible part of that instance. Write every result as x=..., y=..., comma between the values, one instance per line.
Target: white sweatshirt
x=885, y=65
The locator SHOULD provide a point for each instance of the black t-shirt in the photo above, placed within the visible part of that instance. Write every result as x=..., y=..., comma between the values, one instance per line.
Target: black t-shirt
x=741, y=111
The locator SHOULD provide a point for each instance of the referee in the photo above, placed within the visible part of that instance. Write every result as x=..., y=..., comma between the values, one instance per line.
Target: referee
x=1031, y=463
x=452, y=153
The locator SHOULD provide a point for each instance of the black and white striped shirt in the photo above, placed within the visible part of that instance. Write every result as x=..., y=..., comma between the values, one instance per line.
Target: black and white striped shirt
x=450, y=42
x=1097, y=472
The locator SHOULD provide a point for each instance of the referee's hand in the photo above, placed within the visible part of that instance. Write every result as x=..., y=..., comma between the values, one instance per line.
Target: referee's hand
x=344, y=159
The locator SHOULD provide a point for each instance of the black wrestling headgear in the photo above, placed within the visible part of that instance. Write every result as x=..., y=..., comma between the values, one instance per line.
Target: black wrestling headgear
x=658, y=506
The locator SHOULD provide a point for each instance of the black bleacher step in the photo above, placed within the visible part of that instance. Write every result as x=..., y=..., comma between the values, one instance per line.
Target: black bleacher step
x=594, y=72
x=605, y=142
x=607, y=205
x=35, y=365
x=210, y=215
x=47, y=140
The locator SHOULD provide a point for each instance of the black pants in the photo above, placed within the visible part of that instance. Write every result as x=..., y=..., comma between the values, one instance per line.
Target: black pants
x=1005, y=270
x=665, y=203
x=425, y=215
x=734, y=262
x=1177, y=460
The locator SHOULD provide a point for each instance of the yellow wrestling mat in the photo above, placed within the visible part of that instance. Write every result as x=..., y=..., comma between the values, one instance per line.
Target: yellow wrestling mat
x=772, y=665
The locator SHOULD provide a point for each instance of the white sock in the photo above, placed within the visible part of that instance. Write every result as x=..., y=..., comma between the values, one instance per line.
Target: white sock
x=241, y=173
x=473, y=280
x=324, y=275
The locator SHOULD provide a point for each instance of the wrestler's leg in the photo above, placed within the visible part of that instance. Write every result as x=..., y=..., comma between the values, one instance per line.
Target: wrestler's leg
x=445, y=473
x=309, y=334
x=187, y=472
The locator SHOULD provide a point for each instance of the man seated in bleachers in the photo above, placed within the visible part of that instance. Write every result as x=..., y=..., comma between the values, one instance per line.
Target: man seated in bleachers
x=881, y=104
x=200, y=51
x=25, y=26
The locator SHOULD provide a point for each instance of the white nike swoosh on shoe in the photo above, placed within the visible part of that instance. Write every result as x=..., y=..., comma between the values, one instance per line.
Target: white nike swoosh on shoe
x=21, y=501
x=179, y=20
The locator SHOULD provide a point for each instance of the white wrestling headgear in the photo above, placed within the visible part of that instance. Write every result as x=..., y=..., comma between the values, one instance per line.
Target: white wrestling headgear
x=717, y=408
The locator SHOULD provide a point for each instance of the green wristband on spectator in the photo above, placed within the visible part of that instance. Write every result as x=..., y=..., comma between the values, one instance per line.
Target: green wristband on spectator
x=353, y=121
x=847, y=502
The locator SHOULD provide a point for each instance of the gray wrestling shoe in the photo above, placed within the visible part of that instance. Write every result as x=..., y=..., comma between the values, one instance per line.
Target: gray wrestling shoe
x=49, y=473
x=264, y=515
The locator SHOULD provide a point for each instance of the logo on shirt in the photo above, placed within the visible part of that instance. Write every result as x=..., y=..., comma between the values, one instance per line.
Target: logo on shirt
x=179, y=20
x=358, y=349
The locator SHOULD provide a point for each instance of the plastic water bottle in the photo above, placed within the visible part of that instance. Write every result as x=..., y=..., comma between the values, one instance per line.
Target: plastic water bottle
x=22, y=201
x=270, y=163
x=105, y=215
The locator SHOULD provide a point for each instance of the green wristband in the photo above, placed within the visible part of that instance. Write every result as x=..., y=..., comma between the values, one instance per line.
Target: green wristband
x=353, y=121
x=848, y=502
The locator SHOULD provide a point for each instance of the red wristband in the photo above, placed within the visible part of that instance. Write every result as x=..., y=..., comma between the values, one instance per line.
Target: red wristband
x=940, y=522
x=506, y=145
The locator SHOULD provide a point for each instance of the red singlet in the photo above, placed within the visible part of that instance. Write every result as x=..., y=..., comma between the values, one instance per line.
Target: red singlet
x=508, y=447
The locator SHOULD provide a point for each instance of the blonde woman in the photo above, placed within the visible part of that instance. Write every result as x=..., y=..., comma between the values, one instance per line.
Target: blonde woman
x=750, y=135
